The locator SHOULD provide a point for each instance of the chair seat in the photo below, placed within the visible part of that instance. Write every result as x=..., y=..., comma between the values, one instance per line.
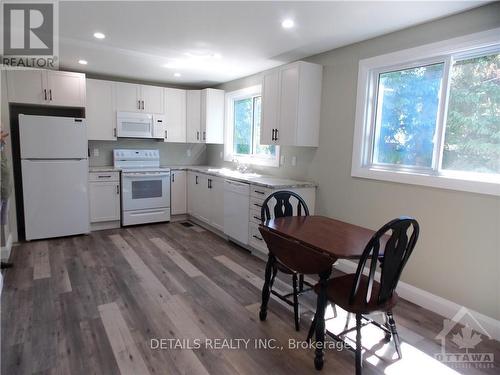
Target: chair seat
x=339, y=288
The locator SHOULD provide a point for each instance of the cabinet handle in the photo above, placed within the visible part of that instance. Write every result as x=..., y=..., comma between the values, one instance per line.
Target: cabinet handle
x=117, y=189
x=204, y=135
x=256, y=217
x=138, y=104
x=196, y=180
x=277, y=133
x=104, y=176
x=258, y=205
x=254, y=236
x=197, y=135
x=143, y=104
x=50, y=94
x=45, y=93
x=114, y=132
x=259, y=192
x=173, y=177
x=166, y=134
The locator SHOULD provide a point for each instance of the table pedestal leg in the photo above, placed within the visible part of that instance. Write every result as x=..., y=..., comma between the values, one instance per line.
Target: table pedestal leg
x=266, y=290
x=320, y=319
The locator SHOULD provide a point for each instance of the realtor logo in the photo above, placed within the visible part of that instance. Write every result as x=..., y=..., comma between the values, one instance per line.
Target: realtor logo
x=29, y=34
x=466, y=339
x=28, y=29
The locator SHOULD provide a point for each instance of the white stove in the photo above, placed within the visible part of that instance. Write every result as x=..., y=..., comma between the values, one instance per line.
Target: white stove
x=145, y=186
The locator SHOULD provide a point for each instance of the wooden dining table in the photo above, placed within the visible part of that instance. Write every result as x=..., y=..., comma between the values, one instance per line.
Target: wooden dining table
x=331, y=237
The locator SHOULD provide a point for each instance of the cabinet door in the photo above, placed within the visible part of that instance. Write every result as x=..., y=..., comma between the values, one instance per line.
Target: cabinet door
x=270, y=108
x=26, y=86
x=153, y=100
x=178, y=193
x=193, y=116
x=203, y=199
x=212, y=113
x=101, y=119
x=175, y=115
x=66, y=88
x=104, y=201
x=289, y=96
x=127, y=97
x=217, y=203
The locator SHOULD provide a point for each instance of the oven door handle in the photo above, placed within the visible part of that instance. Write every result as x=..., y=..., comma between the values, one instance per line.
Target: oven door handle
x=146, y=174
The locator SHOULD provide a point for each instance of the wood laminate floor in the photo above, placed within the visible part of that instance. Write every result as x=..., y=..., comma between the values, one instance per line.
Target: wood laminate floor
x=95, y=304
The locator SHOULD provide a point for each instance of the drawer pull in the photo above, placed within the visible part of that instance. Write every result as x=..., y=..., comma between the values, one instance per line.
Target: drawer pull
x=259, y=192
x=256, y=217
x=258, y=205
x=104, y=176
x=254, y=236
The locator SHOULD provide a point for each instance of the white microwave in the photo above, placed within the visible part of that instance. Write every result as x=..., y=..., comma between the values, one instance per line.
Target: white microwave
x=140, y=125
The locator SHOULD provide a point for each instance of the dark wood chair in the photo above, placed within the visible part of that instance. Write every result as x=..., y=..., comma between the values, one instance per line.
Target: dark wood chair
x=279, y=204
x=293, y=255
x=361, y=294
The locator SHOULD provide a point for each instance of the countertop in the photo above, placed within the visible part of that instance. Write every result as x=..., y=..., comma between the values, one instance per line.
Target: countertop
x=251, y=178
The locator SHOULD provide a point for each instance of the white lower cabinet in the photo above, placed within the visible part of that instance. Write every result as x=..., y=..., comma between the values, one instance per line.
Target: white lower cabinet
x=206, y=199
x=178, y=192
x=104, y=197
x=216, y=202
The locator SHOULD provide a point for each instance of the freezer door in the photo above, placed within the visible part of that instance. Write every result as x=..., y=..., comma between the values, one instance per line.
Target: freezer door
x=51, y=137
x=55, y=196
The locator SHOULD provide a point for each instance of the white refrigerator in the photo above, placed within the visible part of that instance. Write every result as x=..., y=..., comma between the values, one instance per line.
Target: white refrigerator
x=54, y=169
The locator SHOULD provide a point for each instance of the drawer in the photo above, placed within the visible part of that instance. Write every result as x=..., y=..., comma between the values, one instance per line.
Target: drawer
x=259, y=192
x=256, y=203
x=104, y=176
x=255, y=239
x=254, y=216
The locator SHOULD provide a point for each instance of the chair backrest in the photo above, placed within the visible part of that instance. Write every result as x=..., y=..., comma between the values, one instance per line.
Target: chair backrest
x=282, y=205
x=400, y=236
x=295, y=255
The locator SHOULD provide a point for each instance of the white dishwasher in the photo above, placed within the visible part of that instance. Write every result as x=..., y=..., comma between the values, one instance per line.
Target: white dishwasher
x=236, y=210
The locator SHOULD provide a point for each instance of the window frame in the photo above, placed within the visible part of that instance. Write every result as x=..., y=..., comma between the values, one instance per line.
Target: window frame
x=446, y=52
x=229, y=155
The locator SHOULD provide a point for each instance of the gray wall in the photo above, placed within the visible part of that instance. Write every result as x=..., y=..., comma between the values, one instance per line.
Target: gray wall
x=170, y=153
x=458, y=254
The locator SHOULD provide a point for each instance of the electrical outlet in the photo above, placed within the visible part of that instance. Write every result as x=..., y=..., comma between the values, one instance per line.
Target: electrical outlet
x=95, y=152
x=188, y=152
x=294, y=161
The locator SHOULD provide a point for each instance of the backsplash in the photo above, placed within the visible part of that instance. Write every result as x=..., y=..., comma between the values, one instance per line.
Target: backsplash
x=170, y=153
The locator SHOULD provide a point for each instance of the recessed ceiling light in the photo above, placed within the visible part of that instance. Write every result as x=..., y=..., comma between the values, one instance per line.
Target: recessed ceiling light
x=83, y=62
x=177, y=74
x=288, y=23
x=99, y=35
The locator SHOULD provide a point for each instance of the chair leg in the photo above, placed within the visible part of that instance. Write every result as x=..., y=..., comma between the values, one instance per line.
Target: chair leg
x=275, y=271
x=359, y=358
x=388, y=335
x=301, y=282
x=296, y=302
x=395, y=335
x=266, y=290
x=312, y=328
x=347, y=321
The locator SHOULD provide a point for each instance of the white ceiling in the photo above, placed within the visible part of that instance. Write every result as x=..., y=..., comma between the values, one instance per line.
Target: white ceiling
x=215, y=42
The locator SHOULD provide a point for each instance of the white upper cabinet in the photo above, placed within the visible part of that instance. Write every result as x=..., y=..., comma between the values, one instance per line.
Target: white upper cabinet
x=152, y=98
x=131, y=97
x=127, y=97
x=101, y=118
x=291, y=103
x=212, y=116
x=205, y=116
x=46, y=87
x=193, y=116
x=175, y=115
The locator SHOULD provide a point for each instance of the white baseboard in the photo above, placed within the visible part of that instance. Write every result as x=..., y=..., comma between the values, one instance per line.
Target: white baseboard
x=432, y=302
x=5, y=250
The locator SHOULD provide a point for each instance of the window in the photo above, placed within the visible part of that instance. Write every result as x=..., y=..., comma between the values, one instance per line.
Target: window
x=243, y=131
x=432, y=121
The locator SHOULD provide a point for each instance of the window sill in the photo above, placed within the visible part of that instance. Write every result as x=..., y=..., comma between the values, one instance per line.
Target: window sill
x=447, y=180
